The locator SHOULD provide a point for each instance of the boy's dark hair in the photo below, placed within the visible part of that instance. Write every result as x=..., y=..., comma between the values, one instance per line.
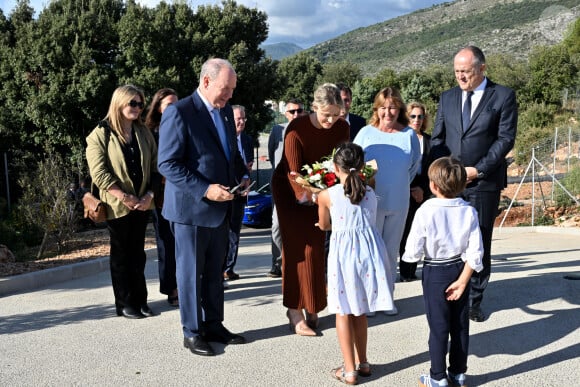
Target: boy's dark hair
x=449, y=175
x=349, y=157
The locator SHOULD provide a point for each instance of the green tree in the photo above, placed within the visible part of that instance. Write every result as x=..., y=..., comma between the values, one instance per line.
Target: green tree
x=298, y=74
x=551, y=71
x=346, y=72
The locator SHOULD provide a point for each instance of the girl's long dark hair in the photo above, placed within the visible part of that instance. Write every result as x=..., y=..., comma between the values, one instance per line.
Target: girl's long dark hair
x=349, y=157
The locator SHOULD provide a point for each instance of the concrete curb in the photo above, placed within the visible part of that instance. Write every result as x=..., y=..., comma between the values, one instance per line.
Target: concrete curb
x=35, y=280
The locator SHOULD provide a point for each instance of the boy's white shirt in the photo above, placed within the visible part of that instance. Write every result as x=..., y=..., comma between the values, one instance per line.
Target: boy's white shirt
x=444, y=228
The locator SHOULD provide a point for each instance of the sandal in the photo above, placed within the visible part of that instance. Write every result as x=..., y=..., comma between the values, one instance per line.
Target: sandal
x=342, y=377
x=364, y=369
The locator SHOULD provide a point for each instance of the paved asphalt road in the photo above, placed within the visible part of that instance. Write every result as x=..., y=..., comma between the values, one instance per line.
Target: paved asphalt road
x=67, y=334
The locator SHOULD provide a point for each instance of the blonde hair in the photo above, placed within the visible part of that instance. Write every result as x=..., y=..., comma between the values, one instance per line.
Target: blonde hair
x=426, y=119
x=121, y=98
x=326, y=95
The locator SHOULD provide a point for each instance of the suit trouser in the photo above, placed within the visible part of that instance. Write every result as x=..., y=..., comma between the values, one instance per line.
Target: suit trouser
x=199, y=257
x=127, y=258
x=276, y=242
x=165, y=253
x=486, y=204
x=408, y=269
x=236, y=217
x=446, y=319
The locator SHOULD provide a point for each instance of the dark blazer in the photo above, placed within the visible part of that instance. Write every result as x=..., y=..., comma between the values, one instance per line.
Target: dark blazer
x=356, y=123
x=422, y=179
x=247, y=146
x=490, y=136
x=192, y=158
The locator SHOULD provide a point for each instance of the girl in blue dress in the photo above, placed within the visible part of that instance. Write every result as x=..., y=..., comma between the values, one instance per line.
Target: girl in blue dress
x=357, y=278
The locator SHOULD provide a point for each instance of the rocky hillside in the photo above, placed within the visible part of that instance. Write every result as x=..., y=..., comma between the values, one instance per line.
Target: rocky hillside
x=432, y=35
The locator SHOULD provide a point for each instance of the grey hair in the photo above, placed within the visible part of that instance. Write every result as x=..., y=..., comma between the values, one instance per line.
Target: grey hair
x=212, y=68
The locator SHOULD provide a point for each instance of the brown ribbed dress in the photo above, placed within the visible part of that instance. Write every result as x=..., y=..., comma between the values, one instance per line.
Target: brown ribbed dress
x=303, y=279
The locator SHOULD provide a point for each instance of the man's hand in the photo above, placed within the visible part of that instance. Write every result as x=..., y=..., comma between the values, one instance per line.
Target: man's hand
x=417, y=194
x=218, y=193
x=471, y=173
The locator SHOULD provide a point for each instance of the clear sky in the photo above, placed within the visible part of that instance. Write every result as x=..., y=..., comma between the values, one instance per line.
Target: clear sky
x=303, y=22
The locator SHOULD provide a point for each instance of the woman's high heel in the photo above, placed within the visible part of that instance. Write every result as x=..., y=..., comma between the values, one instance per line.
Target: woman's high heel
x=312, y=320
x=298, y=325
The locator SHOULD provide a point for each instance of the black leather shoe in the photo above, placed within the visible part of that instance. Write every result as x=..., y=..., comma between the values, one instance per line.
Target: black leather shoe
x=130, y=312
x=197, y=345
x=224, y=336
x=475, y=314
x=147, y=312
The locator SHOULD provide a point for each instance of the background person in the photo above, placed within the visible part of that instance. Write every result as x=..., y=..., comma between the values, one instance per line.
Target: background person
x=481, y=143
x=294, y=108
x=199, y=159
x=355, y=122
x=392, y=143
x=163, y=235
x=419, y=189
x=308, y=139
x=245, y=146
x=122, y=155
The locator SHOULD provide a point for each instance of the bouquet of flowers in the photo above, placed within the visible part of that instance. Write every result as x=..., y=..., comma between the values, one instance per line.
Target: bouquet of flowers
x=321, y=175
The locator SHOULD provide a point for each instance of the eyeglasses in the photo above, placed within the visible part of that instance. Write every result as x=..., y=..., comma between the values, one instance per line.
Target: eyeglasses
x=135, y=104
x=418, y=116
x=242, y=119
x=294, y=111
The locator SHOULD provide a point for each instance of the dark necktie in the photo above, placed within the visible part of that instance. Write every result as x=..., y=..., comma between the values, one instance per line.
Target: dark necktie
x=221, y=131
x=466, y=114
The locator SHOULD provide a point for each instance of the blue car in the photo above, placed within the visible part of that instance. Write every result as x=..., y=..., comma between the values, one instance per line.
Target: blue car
x=258, y=209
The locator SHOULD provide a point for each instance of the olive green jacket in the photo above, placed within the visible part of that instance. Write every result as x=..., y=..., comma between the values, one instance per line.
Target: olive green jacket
x=108, y=167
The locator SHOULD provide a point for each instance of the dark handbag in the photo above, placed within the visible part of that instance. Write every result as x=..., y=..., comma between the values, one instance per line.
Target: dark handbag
x=94, y=209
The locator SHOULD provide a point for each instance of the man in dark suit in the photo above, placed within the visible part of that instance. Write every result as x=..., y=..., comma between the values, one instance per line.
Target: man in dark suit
x=355, y=122
x=246, y=148
x=199, y=159
x=476, y=123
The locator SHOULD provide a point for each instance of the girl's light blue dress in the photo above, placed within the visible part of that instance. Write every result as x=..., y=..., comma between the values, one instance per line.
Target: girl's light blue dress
x=357, y=279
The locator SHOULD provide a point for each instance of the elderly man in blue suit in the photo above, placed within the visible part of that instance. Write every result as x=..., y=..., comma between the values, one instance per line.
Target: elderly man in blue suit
x=477, y=123
x=199, y=158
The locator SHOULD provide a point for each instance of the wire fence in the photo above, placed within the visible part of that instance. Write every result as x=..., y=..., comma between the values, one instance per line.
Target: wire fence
x=552, y=175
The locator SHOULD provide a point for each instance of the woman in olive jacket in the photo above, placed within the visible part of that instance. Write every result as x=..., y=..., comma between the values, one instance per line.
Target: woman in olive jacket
x=122, y=156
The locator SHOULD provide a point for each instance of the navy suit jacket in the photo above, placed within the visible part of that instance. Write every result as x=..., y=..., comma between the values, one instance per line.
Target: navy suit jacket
x=191, y=158
x=247, y=146
x=490, y=136
x=356, y=123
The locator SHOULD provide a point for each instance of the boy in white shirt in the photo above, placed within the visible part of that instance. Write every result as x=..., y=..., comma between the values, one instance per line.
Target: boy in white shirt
x=446, y=233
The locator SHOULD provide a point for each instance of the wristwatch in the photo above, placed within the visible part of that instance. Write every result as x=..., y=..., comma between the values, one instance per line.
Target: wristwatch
x=480, y=175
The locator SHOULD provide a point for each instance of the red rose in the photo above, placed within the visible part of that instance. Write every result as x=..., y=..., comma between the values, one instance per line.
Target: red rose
x=330, y=179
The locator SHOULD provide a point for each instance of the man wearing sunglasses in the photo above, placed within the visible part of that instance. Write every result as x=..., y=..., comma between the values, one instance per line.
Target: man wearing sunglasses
x=294, y=108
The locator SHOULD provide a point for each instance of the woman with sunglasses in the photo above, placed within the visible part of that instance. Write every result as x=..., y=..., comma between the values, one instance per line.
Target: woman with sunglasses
x=122, y=155
x=419, y=189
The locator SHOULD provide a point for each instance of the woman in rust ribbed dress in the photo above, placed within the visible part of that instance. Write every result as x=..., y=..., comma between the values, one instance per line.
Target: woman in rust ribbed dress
x=307, y=140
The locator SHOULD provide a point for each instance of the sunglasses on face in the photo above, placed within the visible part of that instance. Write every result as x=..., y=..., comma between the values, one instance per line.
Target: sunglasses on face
x=418, y=116
x=135, y=104
x=294, y=111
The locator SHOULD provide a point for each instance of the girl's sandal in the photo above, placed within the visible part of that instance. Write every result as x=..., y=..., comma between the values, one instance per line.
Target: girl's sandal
x=364, y=369
x=341, y=376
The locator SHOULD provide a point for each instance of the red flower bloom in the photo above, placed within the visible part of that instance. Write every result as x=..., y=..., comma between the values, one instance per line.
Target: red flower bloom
x=330, y=179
